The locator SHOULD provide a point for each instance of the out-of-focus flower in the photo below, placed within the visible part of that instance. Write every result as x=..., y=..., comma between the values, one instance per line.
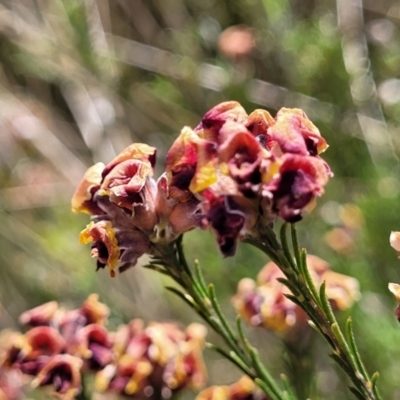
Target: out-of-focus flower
x=236, y=41
x=349, y=220
x=63, y=373
x=94, y=346
x=12, y=382
x=340, y=240
x=54, y=349
x=263, y=303
x=395, y=290
x=30, y=352
x=41, y=315
x=395, y=241
x=157, y=359
x=11, y=385
x=244, y=389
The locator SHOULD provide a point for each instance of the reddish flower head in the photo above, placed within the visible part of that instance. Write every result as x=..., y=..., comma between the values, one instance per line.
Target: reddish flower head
x=94, y=346
x=295, y=133
x=63, y=372
x=299, y=181
x=214, y=119
x=105, y=245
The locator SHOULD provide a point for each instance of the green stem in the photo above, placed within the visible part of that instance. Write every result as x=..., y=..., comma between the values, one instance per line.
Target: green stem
x=205, y=303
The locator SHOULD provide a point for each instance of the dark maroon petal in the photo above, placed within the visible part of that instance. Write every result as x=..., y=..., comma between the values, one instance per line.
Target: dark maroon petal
x=227, y=220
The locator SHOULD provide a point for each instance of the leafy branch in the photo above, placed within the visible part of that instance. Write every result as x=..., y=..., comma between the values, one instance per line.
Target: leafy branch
x=170, y=260
x=318, y=308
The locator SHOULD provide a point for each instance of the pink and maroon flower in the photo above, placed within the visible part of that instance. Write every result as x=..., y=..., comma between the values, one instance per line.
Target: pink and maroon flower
x=299, y=181
x=105, y=244
x=63, y=372
x=264, y=302
x=214, y=119
x=157, y=359
x=234, y=173
x=94, y=346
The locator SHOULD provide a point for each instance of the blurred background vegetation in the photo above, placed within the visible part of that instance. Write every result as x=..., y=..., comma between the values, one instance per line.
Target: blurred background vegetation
x=82, y=79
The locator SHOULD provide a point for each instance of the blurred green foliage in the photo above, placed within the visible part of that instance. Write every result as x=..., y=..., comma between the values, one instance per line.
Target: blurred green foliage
x=82, y=79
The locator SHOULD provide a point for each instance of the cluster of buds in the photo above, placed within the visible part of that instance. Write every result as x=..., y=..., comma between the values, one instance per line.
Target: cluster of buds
x=234, y=173
x=60, y=346
x=264, y=303
x=244, y=389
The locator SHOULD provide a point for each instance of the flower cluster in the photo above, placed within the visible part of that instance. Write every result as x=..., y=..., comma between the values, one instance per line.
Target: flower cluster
x=234, y=173
x=61, y=345
x=155, y=361
x=244, y=389
x=131, y=211
x=264, y=303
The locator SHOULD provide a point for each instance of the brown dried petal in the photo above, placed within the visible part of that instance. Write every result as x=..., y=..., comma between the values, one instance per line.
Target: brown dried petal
x=82, y=199
x=41, y=315
x=136, y=151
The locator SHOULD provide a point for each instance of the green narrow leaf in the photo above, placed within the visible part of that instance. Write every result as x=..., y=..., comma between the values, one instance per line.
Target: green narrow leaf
x=374, y=380
x=264, y=375
x=199, y=277
x=288, y=393
x=242, y=336
x=295, y=300
x=352, y=344
x=342, y=364
x=352, y=375
x=157, y=268
x=264, y=387
x=307, y=277
x=326, y=305
x=289, y=285
x=231, y=356
x=345, y=348
x=181, y=256
x=228, y=331
x=286, y=249
x=295, y=245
